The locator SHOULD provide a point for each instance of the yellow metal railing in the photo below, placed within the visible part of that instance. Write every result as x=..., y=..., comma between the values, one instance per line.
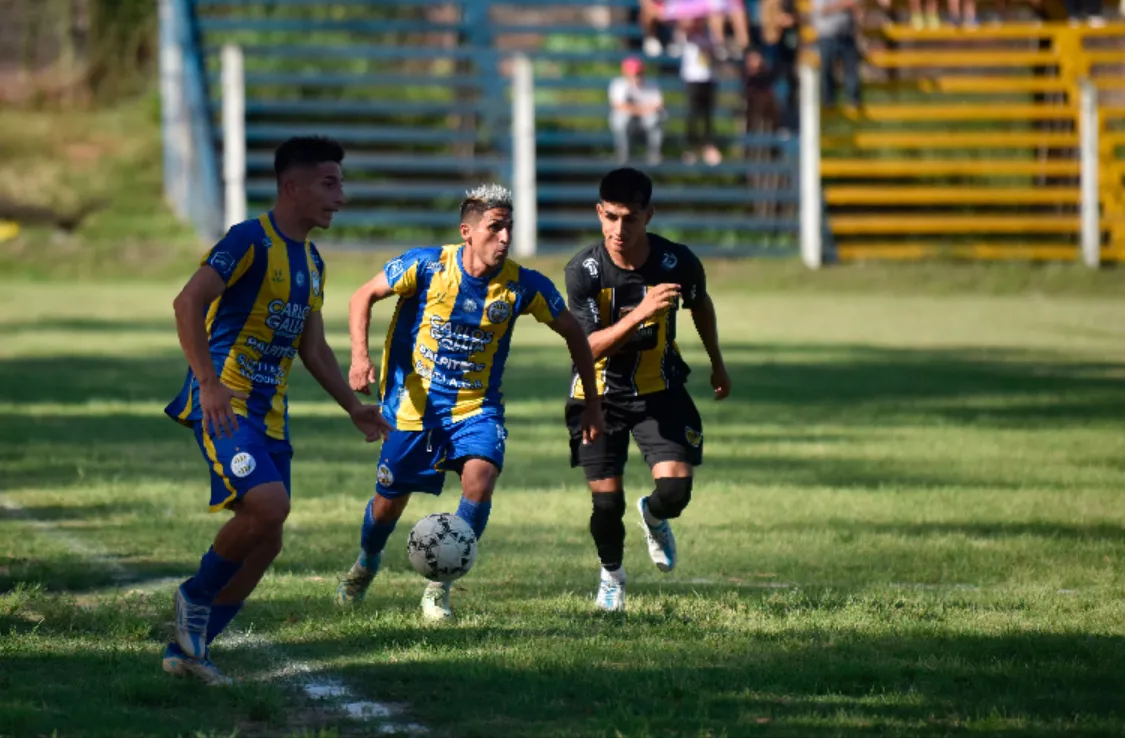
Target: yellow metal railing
x=864, y=148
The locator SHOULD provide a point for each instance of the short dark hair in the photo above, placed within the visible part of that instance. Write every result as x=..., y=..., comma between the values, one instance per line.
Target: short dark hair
x=480, y=200
x=626, y=185
x=304, y=151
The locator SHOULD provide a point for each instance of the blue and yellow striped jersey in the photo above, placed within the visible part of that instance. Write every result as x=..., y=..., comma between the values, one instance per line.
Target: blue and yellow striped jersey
x=254, y=328
x=448, y=340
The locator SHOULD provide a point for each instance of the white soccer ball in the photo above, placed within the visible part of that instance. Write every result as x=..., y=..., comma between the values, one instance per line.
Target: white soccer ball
x=442, y=547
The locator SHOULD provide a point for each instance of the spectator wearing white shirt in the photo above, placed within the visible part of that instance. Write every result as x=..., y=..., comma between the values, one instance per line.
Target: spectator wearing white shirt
x=636, y=105
x=697, y=72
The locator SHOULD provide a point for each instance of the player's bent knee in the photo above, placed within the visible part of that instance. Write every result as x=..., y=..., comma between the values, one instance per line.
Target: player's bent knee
x=672, y=495
x=388, y=509
x=478, y=480
x=607, y=486
x=610, y=503
x=268, y=505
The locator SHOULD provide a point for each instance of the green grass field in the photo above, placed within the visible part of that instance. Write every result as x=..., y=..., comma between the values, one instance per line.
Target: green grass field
x=909, y=522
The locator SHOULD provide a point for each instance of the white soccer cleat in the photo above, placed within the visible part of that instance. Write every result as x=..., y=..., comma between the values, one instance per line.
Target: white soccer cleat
x=611, y=595
x=661, y=542
x=191, y=625
x=178, y=663
x=435, y=602
x=353, y=587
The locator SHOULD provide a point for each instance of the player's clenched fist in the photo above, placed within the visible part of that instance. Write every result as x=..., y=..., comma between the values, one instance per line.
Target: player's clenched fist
x=362, y=375
x=218, y=415
x=659, y=298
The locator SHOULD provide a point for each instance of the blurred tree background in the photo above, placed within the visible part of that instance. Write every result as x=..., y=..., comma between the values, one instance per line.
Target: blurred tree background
x=76, y=52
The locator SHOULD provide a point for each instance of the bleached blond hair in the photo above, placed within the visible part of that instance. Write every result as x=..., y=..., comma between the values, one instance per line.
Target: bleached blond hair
x=483, y=198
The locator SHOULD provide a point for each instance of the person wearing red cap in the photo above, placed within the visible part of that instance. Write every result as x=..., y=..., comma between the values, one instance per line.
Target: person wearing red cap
x=636, y=104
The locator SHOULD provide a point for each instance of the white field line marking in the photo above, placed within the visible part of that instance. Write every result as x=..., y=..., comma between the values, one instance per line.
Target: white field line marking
x=322, y=688
x=302, y=675
x=99, y=557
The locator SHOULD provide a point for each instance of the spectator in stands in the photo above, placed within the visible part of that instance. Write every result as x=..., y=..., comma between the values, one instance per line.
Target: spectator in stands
x=835, y=25
x=697, y=72
x=733, y=11
x=961, y=12
x=763, y=117
x=636, y=104
x=762, y=111
x=651, y=17
x=717, y=14
x=1085, y=11
x=781, y=39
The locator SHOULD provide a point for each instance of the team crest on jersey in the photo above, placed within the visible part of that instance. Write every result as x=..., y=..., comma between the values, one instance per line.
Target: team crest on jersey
x=299, y=278
x=395, y=269
x=591, y=265
x=693, y=436
x=669, y=261
x=242, y=465
x=498, y=311
x=384, y=476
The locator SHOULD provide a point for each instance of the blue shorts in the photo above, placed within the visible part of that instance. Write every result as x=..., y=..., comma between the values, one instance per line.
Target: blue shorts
x=416, y=461
x=240, y=464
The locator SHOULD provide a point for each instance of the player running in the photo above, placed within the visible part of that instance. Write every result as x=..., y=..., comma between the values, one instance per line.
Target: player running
x=253, y=305
x=443, y=362
x=625, y=291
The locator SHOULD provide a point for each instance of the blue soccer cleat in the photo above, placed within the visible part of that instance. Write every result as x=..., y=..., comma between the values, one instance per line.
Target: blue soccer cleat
x=191, y=625
x=661, y=542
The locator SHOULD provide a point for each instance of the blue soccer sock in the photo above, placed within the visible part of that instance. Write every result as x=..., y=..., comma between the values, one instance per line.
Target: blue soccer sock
x=221, y=615
x=475, y=514
x=373, y=538
x=214, y=573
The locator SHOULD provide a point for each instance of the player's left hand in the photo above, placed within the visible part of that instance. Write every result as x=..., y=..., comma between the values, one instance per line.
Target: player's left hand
x=370, y=421
x=720, y=382
x=593, y=424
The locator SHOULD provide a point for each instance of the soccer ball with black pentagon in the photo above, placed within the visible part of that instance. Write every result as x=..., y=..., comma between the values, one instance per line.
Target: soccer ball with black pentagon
x=442, y=547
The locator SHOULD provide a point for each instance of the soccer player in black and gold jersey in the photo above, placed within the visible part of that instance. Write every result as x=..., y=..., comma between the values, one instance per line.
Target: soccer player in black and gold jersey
x=626, y=291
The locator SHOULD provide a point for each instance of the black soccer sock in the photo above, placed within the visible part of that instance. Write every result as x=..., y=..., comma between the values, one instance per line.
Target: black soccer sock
x=607, y=526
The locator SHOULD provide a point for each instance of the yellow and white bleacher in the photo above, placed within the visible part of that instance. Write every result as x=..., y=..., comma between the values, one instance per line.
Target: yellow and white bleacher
x=968, y=145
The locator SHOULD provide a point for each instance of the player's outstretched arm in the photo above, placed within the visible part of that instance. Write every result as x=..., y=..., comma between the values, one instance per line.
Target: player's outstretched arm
x=566, y=326
x=362, y=373
x=318, y=358
x=190, y=306
x=706, y=324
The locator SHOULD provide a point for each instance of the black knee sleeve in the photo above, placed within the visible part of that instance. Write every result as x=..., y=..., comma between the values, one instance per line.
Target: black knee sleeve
x=607, y=526
x=672, y=495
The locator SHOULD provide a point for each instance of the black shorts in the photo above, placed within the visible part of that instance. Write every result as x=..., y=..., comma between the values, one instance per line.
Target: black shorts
x=666, y=425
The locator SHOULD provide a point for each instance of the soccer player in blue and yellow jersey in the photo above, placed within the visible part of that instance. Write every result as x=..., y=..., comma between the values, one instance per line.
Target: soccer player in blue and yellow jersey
x=251, y=308
x=443, y=363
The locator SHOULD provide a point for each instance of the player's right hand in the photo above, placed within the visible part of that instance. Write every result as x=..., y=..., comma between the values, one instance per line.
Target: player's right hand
x=215, y=402
x=362, y=375
x=659, y=298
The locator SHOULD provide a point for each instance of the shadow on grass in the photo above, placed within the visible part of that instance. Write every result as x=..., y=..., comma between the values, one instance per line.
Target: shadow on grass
x=852, y=384
x=602, y=677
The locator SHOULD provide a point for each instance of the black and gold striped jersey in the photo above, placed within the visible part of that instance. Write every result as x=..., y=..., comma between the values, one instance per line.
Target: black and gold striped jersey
x=600, y=293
